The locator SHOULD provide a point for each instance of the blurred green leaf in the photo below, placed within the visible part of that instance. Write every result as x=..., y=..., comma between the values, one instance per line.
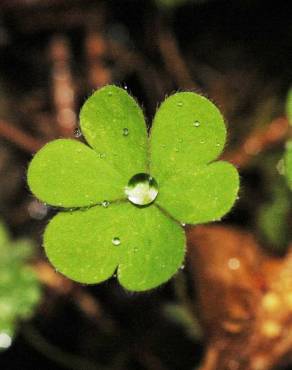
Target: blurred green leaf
x=273, y=216
x=181, y=316
x=4, y=235
x=288, y=163
x=19, y=287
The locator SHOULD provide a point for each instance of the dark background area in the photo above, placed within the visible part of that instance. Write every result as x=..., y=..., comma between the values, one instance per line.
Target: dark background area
x=238, y=53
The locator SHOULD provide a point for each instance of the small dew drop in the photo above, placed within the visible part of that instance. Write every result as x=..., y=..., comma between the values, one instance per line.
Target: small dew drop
x=110, y=93
x=101, y=155
x=202, y=142
x=116, y=241
x=37, y=210
x=183, y=224
x=182, y=267
x=125, y=131
x=179, y=104
x=105, y=203
x=77, y=132
x=125, y=87
x=196, y=124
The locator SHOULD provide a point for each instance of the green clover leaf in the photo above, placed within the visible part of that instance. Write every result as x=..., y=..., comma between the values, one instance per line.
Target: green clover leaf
x=125, y=197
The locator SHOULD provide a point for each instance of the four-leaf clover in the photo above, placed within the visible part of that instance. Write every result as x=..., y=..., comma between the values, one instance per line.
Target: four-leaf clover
x=124, y=200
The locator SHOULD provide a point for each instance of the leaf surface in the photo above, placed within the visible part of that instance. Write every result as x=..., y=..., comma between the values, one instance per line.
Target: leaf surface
x=202, y=195
x=188, y=131
x=113, y=124
x=67, y=173
x=88, y=245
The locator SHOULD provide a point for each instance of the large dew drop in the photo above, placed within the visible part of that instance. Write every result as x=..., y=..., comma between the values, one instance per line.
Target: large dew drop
x=142, y=189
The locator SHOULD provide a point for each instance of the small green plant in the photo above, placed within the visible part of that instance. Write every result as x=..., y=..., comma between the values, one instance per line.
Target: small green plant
x=273, y=219
x=124, y=200
x=19, y=287
x=273, y=216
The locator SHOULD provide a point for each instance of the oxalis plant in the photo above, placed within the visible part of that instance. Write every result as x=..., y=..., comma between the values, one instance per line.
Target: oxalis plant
x=124, y=199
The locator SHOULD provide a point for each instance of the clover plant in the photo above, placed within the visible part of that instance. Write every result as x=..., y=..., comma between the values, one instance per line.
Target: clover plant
x=19, y=286
x=125, y=197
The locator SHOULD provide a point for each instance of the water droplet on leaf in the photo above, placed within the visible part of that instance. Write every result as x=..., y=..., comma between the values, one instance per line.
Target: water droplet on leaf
x=196, y=124
x=101, y=155
x=77, y=132
x=105, y=203
x=110, y=93
x=142, y=189
x=125, y=131
x=37, y=210
x=180, y=104
x=116, y=241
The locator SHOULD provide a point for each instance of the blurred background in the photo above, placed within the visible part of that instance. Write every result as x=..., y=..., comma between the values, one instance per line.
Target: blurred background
x=231, y=306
